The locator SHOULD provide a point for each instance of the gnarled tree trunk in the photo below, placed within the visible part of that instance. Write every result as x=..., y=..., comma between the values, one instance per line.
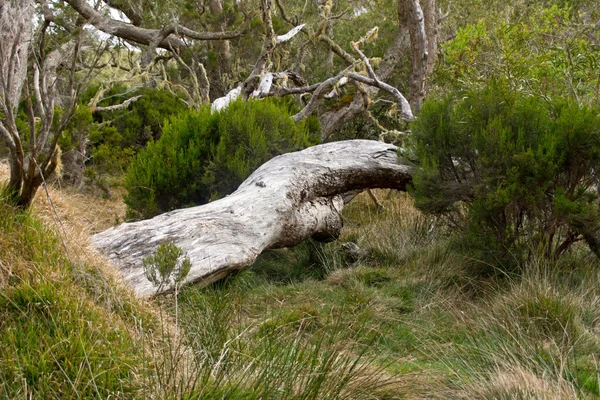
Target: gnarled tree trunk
x=290, y=198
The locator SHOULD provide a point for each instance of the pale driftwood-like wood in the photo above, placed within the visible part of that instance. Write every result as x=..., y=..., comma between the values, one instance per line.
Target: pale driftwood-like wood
x=291, y=198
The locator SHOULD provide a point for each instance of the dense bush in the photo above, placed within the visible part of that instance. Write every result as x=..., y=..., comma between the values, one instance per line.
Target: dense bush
x=518, y=173
x=123, y=132
x=202, y=156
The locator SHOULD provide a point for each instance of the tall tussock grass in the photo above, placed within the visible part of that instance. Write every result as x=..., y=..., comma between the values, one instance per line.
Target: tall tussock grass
x=223, y=354
x=411, y=316
x=61, y=335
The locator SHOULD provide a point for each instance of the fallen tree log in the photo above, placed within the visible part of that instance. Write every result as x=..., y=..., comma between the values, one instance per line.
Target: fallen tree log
x=290, y=198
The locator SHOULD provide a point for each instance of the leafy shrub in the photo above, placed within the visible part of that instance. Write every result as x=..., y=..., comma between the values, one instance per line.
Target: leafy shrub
x=542, y=49
x=202, y=156
x=522, y=172
x=142, y=120
x=119, y=134
x=167, y=267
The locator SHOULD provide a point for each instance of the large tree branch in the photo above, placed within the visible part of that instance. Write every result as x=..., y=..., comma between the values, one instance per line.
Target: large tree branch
x=127, y=8
x=287, y=200
x=146, y=36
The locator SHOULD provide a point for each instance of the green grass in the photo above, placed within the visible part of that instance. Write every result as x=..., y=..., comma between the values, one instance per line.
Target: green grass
x=63, y=332
x=411, y=318
x=416, y=311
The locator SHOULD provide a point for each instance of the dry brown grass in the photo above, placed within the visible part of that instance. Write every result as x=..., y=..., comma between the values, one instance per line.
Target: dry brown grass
x=519, y=384
x=76, y=216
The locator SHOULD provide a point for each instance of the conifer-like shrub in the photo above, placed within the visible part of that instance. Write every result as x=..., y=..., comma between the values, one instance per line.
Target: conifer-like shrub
x=202, y=156
x=517, y=174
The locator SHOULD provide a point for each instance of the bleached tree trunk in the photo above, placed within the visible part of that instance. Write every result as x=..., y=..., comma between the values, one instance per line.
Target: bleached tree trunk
x=16, y=31
x=33, y=160
x=290, y=198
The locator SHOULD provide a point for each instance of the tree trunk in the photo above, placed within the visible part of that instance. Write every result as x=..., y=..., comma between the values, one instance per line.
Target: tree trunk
x=411, y=13
x=222, y=49
x=287, y=200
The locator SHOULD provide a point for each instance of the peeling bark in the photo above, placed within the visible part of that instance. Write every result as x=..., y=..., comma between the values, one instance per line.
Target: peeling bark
x=291, y=198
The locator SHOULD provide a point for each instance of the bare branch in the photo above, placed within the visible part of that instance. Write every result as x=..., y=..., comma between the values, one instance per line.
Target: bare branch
x=305, y=112
x=284, y=15
x=127, y=8
x=116, y=107
x=50, y=17
x=293, y=32
x=337, y=49
x=406, y=112
x=296, y=90
x=146, y=36
x=8, y=139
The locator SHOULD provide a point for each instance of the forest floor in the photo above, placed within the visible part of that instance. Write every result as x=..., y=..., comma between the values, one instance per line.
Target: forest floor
x=412, y=317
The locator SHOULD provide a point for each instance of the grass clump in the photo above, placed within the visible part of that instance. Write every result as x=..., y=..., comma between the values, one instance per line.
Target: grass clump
x=59, y=339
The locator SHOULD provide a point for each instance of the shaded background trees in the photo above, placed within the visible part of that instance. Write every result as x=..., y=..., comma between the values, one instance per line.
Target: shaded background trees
x=199, y=51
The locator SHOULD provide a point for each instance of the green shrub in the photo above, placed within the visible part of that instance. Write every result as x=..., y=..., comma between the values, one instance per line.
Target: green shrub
x=542, y=49
x=202, y=156
x=517, y=173
x=167, y=267
x=119, y=134
x=142, y=120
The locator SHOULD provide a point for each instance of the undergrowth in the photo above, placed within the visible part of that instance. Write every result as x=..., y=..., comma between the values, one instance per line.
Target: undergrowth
x=65, y=332
x=413, y=309
x=410, y=316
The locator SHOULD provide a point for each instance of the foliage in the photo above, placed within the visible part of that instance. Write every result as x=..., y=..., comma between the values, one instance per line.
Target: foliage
x=521, y=171
x=203, y=156
x=140, y=121
x=167, y=267
x=117, y=135
x=545, y=50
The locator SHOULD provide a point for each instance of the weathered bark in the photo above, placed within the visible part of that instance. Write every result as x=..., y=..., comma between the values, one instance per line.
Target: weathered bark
x=412, y=13
x=287, y=200
x=16, y=32
x=335, y=119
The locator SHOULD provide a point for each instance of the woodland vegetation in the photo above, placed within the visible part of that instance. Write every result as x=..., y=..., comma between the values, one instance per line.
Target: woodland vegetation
x=480, y=281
